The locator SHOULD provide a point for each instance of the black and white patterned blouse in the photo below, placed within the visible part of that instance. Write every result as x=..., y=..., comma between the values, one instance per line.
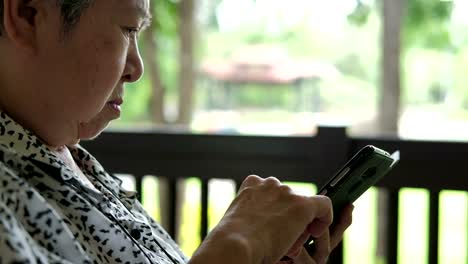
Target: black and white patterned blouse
x=48, y=215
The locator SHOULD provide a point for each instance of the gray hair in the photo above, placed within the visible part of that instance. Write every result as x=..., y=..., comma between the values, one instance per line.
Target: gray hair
x=71, y=12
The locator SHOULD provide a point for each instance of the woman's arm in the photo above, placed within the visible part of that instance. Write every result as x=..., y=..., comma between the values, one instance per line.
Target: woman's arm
x=222, y=247
x=263, y=223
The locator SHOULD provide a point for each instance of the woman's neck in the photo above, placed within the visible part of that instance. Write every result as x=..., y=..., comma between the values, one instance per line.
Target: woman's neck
x=64, y=154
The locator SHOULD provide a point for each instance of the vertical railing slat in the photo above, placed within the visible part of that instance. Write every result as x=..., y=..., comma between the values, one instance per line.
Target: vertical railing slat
x=392, y=233
x=172, y=203
x=139, y=186
x=433, y=242
x=204, y=208
x=237, y=184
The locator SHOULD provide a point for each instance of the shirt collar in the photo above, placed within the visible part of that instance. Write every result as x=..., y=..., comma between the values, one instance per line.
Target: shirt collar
x=19, y=140
x=89, y=164
x=23, y=142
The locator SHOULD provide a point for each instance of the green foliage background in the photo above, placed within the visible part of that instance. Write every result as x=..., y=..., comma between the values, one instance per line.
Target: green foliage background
x=428, y=39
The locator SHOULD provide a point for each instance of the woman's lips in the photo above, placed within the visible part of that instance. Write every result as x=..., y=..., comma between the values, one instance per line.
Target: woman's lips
x=115, y=105
x=117, y=101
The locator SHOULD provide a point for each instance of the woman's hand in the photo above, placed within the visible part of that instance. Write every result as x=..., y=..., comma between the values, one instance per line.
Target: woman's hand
x=324, y=244
x=267, y=221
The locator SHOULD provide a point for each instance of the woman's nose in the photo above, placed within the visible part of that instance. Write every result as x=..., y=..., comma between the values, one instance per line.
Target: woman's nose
x=134, y=66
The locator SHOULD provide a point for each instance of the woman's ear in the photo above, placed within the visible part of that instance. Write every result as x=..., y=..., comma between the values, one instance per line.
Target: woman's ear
x=21, y=19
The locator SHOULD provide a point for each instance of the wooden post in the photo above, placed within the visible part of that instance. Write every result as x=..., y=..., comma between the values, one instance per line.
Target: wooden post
x=154, y=73
x=389, y=110
x=389, y=101
x=186, y=60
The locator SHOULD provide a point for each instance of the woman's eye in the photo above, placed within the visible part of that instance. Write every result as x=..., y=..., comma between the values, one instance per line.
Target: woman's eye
x=131, y=31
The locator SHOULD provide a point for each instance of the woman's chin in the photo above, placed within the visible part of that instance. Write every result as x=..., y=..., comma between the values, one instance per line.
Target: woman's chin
x=89, y=131
x=94, y=127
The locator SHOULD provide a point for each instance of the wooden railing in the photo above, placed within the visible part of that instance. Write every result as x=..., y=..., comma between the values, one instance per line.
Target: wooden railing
x=434, y=166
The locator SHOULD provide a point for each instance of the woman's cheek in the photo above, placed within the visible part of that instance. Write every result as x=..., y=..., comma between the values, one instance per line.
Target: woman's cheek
x=92, y=128
x=105, y=68
x=109, y=74
x=114, y=60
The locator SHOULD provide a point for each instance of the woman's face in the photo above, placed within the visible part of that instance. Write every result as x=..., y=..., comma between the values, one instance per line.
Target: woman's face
x=86, y=70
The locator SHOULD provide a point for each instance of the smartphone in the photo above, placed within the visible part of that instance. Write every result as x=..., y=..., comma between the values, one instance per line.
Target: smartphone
x=360, y=173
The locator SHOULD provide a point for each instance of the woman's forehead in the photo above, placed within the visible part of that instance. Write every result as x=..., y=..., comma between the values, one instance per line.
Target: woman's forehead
x=140, y=7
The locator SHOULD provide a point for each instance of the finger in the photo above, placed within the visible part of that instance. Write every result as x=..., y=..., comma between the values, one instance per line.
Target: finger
x=304, y=258
x=322, y=215
x=322, y=248
x=251, y=180
x=297, y=247
x=272, y=181
x=337, y=231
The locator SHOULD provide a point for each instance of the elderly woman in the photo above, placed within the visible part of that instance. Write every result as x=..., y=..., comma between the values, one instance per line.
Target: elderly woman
x=63, y=68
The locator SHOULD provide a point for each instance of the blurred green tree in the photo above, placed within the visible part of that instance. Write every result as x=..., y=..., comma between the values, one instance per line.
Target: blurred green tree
x=406, y=23
x=173, y=25
x=424, y=22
